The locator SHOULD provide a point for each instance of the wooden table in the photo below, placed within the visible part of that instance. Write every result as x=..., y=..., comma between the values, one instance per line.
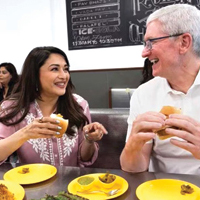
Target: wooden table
x=66, y=174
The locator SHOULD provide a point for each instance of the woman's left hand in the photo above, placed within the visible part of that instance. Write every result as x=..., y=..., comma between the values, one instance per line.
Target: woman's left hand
x=94, y=131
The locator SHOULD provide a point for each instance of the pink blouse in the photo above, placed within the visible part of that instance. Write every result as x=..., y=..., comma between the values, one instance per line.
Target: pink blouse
x=54, y=151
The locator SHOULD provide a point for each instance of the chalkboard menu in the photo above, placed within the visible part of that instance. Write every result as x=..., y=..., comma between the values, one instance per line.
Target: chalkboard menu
x=109, y=23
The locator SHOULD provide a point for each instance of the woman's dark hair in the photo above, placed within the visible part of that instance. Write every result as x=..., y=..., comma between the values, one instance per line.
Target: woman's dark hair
x=28, y=90
x=147, y=71
x=15, y=78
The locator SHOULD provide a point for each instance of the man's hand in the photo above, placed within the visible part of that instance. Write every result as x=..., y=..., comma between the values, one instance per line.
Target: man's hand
x=189, y=132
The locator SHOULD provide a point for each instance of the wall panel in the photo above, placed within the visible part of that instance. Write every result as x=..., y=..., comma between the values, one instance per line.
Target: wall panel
x=94, y=85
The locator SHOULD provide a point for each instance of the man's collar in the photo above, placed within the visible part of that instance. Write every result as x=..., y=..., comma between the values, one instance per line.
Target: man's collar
x=169, y=89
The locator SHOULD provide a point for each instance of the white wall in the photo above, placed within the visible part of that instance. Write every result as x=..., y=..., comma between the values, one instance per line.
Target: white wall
x=26, y=24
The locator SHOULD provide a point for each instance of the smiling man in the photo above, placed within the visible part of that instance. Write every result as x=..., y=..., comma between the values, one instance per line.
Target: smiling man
x=172, y=44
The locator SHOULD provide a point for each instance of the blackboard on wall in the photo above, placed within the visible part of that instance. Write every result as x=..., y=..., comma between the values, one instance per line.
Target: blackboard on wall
x=110, y=23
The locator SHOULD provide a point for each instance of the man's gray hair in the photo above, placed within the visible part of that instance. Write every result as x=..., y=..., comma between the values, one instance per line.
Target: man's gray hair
x=179, y=18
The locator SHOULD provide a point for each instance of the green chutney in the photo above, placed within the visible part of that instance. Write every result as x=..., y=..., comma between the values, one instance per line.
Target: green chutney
x=85, y=180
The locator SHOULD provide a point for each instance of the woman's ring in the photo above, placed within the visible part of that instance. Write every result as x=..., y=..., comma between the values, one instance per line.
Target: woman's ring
x=41, y=120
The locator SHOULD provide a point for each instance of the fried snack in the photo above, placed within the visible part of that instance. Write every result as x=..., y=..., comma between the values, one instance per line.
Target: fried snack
x=5, y=194
x=24, y=170
x=167, y=110
x=186, y=189
x=63, y=124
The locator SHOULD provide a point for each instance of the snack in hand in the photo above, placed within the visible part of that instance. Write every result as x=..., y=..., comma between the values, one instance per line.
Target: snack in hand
x=63, y=124
x=167, y=110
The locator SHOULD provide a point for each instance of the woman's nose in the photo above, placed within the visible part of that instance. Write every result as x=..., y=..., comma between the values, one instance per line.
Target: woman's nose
x=62, y=74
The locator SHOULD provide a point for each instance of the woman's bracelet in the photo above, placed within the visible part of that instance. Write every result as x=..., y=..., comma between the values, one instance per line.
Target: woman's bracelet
x=87, y=140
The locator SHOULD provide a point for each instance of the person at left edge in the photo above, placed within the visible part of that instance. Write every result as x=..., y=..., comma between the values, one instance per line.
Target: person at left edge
x=8, y=79
x=26, y=127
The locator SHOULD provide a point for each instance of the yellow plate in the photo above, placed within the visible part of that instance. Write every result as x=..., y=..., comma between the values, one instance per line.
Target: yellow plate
x=121, y=183
x=37, y=173
x=166, y=189
x=14, y=188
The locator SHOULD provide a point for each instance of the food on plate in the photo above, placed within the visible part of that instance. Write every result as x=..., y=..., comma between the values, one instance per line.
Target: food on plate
x=63, y=124
x=63, y=196
x=186, y=189
x=167, y=110
x=85, y=180
x=107, y=178
x=5, y=194
x=24, y=170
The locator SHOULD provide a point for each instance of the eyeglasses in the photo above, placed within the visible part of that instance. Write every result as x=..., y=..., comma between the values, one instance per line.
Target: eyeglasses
x=148, y=44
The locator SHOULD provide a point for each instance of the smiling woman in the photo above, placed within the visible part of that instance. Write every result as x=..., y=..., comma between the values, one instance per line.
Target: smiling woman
x=45, y=87
x=54, y=76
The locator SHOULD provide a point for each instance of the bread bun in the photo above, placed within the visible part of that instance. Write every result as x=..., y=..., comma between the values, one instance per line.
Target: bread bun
x=167, y=110
x=63, y=124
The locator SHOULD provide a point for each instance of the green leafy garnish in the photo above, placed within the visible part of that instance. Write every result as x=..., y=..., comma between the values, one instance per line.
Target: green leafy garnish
x=62, y=196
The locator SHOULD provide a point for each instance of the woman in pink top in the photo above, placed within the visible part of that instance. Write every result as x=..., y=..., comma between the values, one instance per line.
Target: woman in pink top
x=45, y=87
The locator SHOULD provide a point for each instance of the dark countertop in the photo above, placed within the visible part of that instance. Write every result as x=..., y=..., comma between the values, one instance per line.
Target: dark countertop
x=66, y=174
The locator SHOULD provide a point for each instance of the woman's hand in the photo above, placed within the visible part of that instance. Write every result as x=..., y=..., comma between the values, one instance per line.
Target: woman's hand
x=45, y=127
x=94, y=132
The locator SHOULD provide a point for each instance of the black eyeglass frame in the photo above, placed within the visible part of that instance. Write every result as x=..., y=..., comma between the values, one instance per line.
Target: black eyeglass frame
x=148, y=44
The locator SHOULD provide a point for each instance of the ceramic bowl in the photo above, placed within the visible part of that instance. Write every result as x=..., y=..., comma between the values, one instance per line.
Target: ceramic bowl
x=106, y=180
x=85, y=182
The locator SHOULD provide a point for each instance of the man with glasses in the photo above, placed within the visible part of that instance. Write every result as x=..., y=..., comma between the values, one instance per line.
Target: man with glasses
x=172, y=44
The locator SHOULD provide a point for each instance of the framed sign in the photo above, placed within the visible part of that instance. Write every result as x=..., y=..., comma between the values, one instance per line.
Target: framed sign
x=110, y=23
